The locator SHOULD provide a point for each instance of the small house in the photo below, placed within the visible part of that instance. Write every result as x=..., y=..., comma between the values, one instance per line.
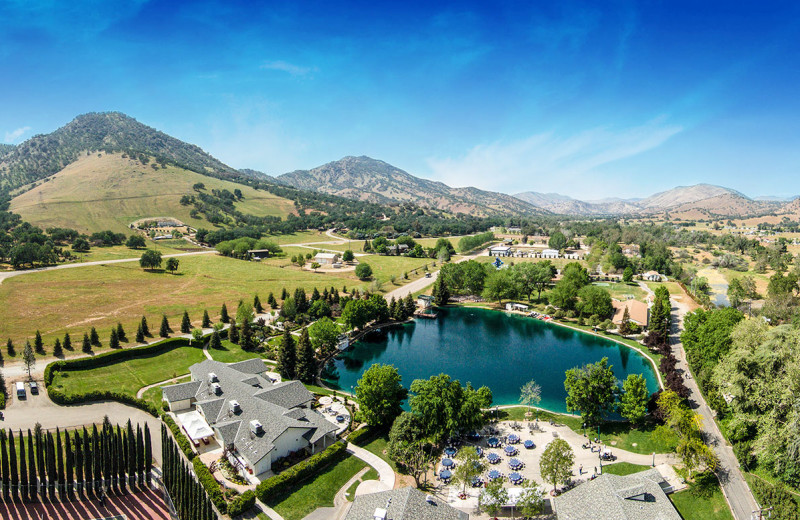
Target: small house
x=499, y=251
x=550, y=253
x=638, y=312
x=517, y=307
x=326, y=258
x=653, y=276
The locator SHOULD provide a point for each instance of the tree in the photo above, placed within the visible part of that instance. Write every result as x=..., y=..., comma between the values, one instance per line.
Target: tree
x=80, y=245
x=306, y=362
x=233, y=332
x=197, y=335
x=445, y=407
x=590, y=390
x=121, y=333
x=28, y=358
x=87, y=344
x=627, y=275
x=324, y=336
x=493, y=497
x=530, y=394
x=150, y=260
x=348, y=256
x=595, y=301
x=272, y=302
x=565, y=293
x=363, y=271
x=691, y=449
x=67, y=342
x=94, y=337
x=289, y=309
x=315, y=266
x=633, y=400
x=319, y=309
x=135, y=242
x=165, y=329
x=38, y=344
x=10, y=348
x=172, y=264
x=206, y=319
x=57, y=350
x=259, y=309
x=186, y=323
x=113, y=340
x=216, y=341
x=139, y=334
x=145, y=328
x=534, y=276
x=380, y=395
x=356, y=314
x=531, y=501
x=625, y=326
x=223, y=314
x=555, y=465
x=470, y=466
x=441, y=295
x=557, y=241
x=287, y=357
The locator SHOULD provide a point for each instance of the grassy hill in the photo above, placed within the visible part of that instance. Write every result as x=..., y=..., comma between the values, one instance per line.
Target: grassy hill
x=107, y=191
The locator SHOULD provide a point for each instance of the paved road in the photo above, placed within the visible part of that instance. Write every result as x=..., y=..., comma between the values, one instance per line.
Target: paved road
x=737, y=492
x=422, y=283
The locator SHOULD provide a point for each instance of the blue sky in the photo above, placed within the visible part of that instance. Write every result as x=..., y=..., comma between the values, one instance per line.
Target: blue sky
x=587, y=99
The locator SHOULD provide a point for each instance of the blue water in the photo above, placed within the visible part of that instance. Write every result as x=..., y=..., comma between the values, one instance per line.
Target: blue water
x=496, y=349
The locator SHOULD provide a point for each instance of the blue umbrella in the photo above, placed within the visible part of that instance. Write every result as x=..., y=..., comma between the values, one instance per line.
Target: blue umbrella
x=510, y=450
x=445, y=474
x=513, y=438
x=447, y=463
x=493, y=457
x=493, y=441
x=515, y=477
x=529, y=444
x=450, y=451
x=494, y=474
x=515, y=463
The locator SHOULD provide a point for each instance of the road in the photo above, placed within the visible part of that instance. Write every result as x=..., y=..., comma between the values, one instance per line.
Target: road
x=422, y=283
x=734, y=486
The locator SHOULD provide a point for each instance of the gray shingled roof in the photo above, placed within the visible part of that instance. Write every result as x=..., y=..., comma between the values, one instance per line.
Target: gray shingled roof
x=181, y=391
x=273, y=405
x=613, y=497
x=403, y=504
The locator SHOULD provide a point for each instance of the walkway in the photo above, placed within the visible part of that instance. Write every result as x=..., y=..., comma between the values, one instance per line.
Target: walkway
x=381, y=466
x=422, y=283
x=271, y=513
x=734, y=486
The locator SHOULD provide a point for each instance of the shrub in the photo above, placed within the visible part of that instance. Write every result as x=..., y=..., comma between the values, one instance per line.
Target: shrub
x=180, y=438
x=363, y=435
x=559, y=314
x=274, y=486
x=241, y=504
x=210, y=484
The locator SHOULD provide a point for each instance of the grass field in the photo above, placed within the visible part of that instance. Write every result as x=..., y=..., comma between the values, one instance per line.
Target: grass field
x=168, y=247
x=318, y=491
x=230, y=353
x=371, y=474
x=621, y=291
x=623, y=468
x=123, y=191
x=702, y=501
x=130, y=375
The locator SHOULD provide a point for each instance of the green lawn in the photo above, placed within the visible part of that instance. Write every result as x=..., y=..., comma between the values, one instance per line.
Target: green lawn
x=622, y=291
x=230, y=353
x=623, y=468
x=371, y=474
x=153, y=395
x=702, y=501
x=318, y=491
x=378, y=446
x=130, y=375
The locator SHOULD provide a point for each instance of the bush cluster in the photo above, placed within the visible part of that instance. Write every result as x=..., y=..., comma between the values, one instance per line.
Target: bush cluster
x=180, y=438
x=210, y=484
x=274, y=486
x=241, y=504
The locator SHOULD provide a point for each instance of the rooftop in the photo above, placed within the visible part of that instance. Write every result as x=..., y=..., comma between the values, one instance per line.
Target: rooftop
x=403, y=504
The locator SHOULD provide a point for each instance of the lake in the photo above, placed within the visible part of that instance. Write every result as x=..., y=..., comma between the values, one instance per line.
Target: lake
x=484, y=347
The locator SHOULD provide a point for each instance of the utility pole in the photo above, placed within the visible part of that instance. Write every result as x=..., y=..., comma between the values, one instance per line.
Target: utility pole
x=761, y=512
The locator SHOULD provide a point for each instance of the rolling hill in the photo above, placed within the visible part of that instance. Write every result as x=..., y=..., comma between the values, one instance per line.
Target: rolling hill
x=124, y=190
x=367, y=179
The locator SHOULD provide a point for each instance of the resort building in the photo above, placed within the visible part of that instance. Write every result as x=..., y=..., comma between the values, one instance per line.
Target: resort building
x=500, y=251
x=653, y=276
x=258, y=254
x=517, y=307
x=612, y=497
x=255, y=420
x=402, y=504
x=326, y=258
x=638, y=312
x=550, y=253
x=396, y=250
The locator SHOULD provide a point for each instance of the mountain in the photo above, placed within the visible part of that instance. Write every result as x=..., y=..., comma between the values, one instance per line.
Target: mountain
x=255, y=174
x=44, y=155
x=6, y=149
x=564, y=205
x=684, y=195
x=367, y=179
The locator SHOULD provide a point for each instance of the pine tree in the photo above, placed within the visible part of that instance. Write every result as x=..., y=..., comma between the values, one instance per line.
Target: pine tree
x=206, y=319
x=145, y=328
x=284, y=294
x=121, y=466
x=300, y=300
x=306, y=362
x=216, y=342
x=10, y=348
x=94, y=337
x=112, y=449
x=87, y=344
x=97, y=461
x=12, y=455
x=52, y=471
x=287, y=357
x=4, y=462
x=625, y=326
x=233, y=332
x=40, y=462
x=165, y=330
x=23, y=469
x=393, y=307
x=411, y=306
x=257, y=305
x=140, y=334
x=223, y=314
x=121, y=333
x=31, y=468
x=113, y=341
x=67, y=342
x=148, y=455
x=57, y=351
x=246, y=337
x=38, y=344
x=131, y=453
x=59, y=463
x=79, y=460
x=87, y=461
x=139, y=456
x=315, y=295
x=70, y=466
x=273, y=304
x=326, y=295
x=186, y=323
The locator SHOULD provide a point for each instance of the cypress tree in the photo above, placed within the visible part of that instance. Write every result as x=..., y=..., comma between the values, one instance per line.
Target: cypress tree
x=145, y=328
x=38, y=344
x=113, y=340
x=216, y=341
x=165, y=330
x=148, y=455
x=121, y=468
x=121, y=333
x=4, y=462
x=112, y=450
x=67, y=342
x=69, y=480
x=233, y=332
x=59, y=463
x=87, y=344
x=79, y=480
x=94, y=337
x=315, y=295
x=287, y=357
x=257, y=304
x=87, y=461
x=23, y=469
x=52, y=470
x=97, y=461
x=140, y=334
x=32, y=481
x=14, y=473
x=57, y=351
x=186, y=323
x=306, y=362
x=246, y=337
x=10, y=348
x=131, y=453
x=139, y=456
x=284, y=294
x=105, y=438
x=272, y=302
x=223, y=314
x=206, y=319
x=40, y=463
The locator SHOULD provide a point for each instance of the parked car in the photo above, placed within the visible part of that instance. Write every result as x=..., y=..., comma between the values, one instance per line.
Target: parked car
x=20, y=389
x=34, y=387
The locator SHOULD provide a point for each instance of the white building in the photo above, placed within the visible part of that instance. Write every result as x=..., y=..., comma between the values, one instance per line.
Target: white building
x=326, y=258
x=550, y=253
x=500, y=251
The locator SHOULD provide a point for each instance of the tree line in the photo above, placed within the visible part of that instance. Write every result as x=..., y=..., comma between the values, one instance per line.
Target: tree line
x=188, y=495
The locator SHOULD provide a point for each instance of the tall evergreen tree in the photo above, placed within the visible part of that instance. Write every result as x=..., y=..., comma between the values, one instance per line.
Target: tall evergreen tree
x=40, y=462
x=139, y=456
x=246, y=337
x=411, y=306
x=112, y=449
x=131, y=453
x=87, y=461
x=287, y=357
x=121, y=333
x=306, y=362
x=164, y=330
x=300, y=300
x=223, y=314
x=233, y=332
x=59, y=463
x=67, y=342
x=113, y=340
x=105, y=449
x=4, y=462
x=148, y=455
x=186, y=323
x=97, y=461
x=52, y=467
x=38, y=344
x=57, y=350
x=145, y=328
x=69, y=478
x=87, y=344
x=284, y=294
x=257, y=305
x=10, y=348
x=315, y=295
x=79, y=478
x=14, y=469
x=94, y=337
x=121, y=466
x=23, y=469
x=206, y=319
x=140, y=334
x=216, y=341
x=272, y=302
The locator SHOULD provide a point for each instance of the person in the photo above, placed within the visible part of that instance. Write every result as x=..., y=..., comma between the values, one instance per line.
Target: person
x=595, y=470
x=580, y=470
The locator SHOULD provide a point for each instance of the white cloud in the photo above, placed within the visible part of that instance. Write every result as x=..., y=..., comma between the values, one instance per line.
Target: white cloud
x=285, y=66
x=10, y=137
x=547, y=161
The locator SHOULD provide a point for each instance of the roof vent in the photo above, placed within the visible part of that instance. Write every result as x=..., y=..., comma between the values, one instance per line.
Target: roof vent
x=234, y=407
x=216, y=388
x=255, y=427
x=380, y=514
x=212, y=377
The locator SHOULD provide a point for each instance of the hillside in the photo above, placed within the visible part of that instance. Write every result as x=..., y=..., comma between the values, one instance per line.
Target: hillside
x=724, y=205
x=683, y=195
x=124, y=190
x=363, y=178
x=45, y=155
x=564, y=205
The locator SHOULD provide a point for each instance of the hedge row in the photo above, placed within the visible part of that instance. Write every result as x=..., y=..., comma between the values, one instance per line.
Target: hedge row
x=363, y=435
x=210, y=484
x=278, y=484
x=116, y=356
x=180, y=438
x=241, y=504
x=59, y=397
